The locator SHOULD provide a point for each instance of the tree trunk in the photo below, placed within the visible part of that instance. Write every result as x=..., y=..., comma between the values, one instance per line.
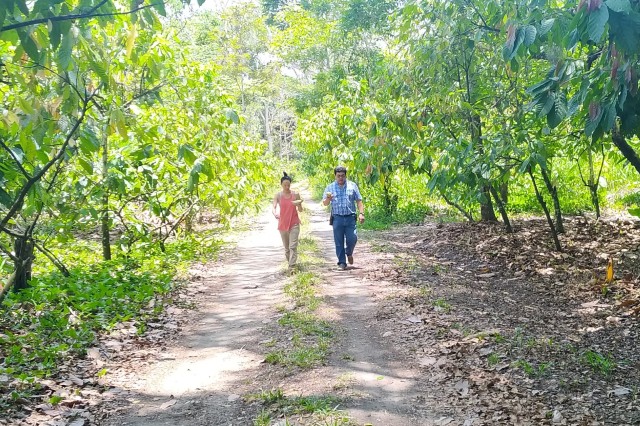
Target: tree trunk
x=390, y=201
x=24, y=253
x=593, y=184
x=501, y=209
x=487, y=214
x=267, y=129
x=104, y=217
x=554, y=234
x=553, y=190
x=504, y=192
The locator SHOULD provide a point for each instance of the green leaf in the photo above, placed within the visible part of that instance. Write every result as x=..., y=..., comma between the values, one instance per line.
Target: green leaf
x=529, y=35
x=634, y=211
x=609, y=117
x=159, y=6
x=625, y=30
x=29, y=45
x=231, y=115
x=55, y=35
x=543, y=86
x=5, y=198
x=64, y=53
x=591, y=126
x=87, y=166
x=3, y=11
x=556, y=115
x=186, y=152
x=545, y=26
x=547, y=106
x=88, y=141
x=622, y=6
x=597, y=20
x=201, y=2
x=22, y=5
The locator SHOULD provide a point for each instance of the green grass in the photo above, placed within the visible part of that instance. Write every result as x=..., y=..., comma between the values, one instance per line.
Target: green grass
x=59, y=317
x=599, y=363
x=306, y=323
x=323, y=409
x=442, y=304
x=531, y=370
x=302, y=289
x=493, y=359
x=309, y=337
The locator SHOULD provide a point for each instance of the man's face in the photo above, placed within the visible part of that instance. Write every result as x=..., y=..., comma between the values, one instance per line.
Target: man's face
x=341, y=177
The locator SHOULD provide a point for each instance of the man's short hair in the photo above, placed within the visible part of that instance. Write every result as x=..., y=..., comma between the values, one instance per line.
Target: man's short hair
x=340, y=169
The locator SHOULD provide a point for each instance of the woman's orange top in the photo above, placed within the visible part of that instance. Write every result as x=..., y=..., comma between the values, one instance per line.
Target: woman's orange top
x=288, y=213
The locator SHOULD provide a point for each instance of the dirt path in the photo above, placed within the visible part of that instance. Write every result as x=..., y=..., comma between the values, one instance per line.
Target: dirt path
x=217, y=356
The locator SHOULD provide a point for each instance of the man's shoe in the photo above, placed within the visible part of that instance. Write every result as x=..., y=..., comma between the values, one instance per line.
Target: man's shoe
x=350, y=259
x=342, y=266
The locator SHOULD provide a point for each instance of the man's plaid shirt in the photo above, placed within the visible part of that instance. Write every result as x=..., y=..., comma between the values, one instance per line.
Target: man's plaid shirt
x=344, y=197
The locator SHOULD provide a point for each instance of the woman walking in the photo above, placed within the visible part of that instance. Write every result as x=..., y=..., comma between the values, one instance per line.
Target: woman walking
x=288, y=220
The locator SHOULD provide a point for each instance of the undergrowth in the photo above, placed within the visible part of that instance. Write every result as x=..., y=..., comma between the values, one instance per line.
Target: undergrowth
x=58, y=318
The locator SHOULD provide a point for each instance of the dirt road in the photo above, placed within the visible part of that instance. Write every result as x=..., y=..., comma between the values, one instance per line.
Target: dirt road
x=201, y=378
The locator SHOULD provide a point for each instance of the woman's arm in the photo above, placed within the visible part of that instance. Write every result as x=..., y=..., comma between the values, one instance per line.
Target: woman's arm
x=299, y=206
x=275, y=204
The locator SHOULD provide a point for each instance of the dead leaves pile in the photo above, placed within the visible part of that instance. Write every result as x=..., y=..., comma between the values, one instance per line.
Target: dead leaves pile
x=82, y=391
x=508, y=331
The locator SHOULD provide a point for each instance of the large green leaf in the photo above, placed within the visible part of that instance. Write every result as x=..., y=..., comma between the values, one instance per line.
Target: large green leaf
x=88, y=140
x=3, y=11
x=530, y=33
x=596, y=23
x=159, y=6
x=86, y=165
x=5, y=198
x=232, y=115
x=625, y=30
x=622, y=6
x=29, y=45
x=64, y=53
x=22, y=5
x=545, y=26
x=592, y=123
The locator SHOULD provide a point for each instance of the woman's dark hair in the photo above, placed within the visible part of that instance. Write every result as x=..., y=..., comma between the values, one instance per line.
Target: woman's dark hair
x=285, y=177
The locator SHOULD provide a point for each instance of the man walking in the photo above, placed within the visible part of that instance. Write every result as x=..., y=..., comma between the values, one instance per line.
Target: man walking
x=344, y=195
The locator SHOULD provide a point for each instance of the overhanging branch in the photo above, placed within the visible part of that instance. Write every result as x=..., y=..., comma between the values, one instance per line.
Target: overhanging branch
x=72, y=17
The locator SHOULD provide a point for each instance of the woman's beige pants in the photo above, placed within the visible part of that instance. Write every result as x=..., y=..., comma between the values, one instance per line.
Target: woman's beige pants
x=290, y=242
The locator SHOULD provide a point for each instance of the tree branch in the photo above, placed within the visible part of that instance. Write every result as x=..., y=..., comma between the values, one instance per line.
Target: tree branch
x=15, y=159
x=73, y=17
x=52, y=258
x=17, y=204
x=8, y=253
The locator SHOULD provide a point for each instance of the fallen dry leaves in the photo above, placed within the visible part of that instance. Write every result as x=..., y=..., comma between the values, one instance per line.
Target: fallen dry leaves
x=508, y=331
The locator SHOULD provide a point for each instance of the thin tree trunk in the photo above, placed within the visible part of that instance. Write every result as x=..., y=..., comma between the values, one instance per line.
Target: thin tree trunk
x=554, y=234
x=553, y=190
x=267, y=129
x=487, y=214
x=24, y=252
x=501, y=209
x=594, y=183
x=104, y=217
